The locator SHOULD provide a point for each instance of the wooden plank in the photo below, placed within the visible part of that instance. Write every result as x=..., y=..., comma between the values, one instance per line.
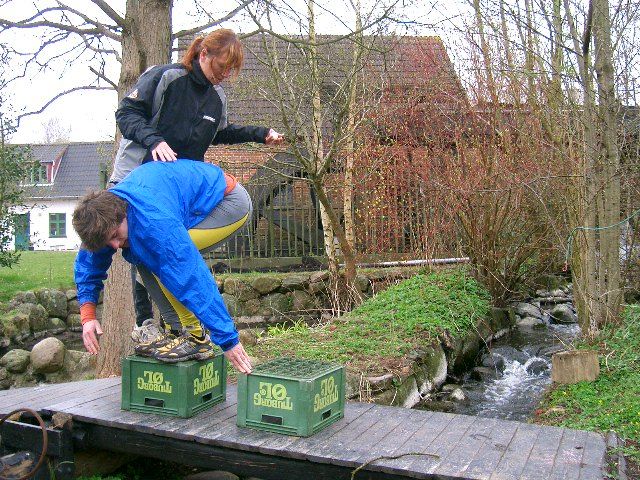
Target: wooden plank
x=540, y=462
x=36, y=397
x=245, y=438
x=76, y=401
x=403, y=435
x=88, y=407
x=591, y=472
x=593, y=459
x=374, y=442
x=420, y=442
x=323, y=450
x=408, y=422
x=280, y=445
x=488, y=457
x=187, y=428
x=569, y=457
x=22, y=436
x=594, y=449
x=512, y=462
x=461, y=456
x=443, y=444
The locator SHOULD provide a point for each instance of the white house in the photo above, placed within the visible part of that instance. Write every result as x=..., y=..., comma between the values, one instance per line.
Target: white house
x=66, y=172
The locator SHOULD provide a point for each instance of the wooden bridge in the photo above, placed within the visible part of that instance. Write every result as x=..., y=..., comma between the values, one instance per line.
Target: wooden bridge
x=376, y=438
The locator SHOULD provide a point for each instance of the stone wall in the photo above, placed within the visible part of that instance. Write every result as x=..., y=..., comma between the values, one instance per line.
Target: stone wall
x=254, y=301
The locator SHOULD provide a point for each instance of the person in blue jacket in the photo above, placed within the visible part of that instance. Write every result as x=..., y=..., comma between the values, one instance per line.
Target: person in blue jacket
x=162, y=216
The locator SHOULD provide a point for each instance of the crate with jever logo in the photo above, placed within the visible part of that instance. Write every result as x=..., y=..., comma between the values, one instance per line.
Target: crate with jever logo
x=291, y=396
x=181, y=389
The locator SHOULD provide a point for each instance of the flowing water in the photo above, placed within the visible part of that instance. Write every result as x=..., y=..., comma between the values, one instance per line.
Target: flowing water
x=514, y=394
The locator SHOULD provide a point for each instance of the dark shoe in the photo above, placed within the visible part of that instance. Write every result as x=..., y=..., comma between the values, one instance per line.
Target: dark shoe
x=185, y=347
x=148, y=349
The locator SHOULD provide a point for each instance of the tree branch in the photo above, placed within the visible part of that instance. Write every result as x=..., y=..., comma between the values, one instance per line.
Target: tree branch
x=213, y=23
x=103, y=77
x=111, y=13
x=59, y=95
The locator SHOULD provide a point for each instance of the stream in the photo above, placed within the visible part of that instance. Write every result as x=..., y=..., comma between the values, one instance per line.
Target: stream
x=526, y=353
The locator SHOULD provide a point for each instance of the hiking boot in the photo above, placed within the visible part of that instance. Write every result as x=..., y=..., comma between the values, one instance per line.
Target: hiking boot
x=185, y=347
x=148, y=349
x=147, y=332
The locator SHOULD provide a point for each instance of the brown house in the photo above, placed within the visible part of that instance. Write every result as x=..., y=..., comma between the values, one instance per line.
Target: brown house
x=418, y=100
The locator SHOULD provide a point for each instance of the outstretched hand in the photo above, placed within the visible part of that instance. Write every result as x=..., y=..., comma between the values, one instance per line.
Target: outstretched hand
x=163, y=152
x=239, y=358
x=274, y=138
x=91, y=331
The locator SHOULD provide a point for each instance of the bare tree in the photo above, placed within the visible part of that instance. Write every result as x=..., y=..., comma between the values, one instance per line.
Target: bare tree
x=55, y=131
x=316, y=85
x=560, y=48
x=137, y=39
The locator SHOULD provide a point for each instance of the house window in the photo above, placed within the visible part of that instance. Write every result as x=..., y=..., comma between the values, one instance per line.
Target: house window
x=38, y=174
x=57, y=225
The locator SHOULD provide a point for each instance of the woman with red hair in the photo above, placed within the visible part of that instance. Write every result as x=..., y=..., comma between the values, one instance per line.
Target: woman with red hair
x=177, y=111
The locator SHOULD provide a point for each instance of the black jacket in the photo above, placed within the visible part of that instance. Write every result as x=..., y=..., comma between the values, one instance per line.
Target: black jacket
x=182, y=108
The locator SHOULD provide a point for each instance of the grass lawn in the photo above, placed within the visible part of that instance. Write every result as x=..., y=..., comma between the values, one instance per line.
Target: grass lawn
x=612, y=402
x=37, y=270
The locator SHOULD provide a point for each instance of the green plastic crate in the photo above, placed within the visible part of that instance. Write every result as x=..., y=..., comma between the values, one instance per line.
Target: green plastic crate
x=291, y=396
x=181, y=389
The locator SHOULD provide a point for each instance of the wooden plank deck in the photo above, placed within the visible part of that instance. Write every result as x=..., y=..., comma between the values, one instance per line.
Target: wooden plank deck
x=444, y=446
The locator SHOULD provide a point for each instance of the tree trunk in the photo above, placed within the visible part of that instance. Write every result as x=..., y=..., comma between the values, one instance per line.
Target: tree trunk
x=349, y=222
x=146, y=41
x=610, y=191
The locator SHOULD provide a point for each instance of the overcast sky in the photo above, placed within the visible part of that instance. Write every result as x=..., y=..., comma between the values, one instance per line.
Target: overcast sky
x=89, y=115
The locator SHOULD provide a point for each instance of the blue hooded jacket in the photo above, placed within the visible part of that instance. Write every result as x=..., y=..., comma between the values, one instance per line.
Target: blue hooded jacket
x=165, y=199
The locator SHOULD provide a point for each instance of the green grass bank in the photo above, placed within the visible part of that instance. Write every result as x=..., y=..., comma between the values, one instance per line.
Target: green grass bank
x=382, y=331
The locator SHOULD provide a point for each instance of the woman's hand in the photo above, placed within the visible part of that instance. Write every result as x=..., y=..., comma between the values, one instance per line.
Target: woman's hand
x=239, y=358
x=91, y=330
x=163, y=152
x=274, y=138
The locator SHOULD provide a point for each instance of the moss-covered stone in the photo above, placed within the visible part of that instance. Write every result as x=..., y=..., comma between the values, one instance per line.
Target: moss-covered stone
x=501, y=319
x=405, y=394
x=56, y=325
x=362, y=283
x=266, y=284
x=239, y=289
x=302, y=301
x=252, y=308
x=24, y=297
x=38, y=317
x=16, y=360
x=5, y=379
x=15, y=324
x=73, y=306
x=73, y=322
x=54, y=302
x=277, y=303
x=296, y=281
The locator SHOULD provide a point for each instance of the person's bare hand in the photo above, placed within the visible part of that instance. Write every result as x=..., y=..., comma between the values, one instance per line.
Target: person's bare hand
x=91, y=332
x=274, y=138
x=239, y=358
x=163, y=153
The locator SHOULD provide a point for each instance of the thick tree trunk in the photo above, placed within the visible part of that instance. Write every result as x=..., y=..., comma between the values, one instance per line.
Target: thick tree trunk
x=146, y=41
x=607, y=115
